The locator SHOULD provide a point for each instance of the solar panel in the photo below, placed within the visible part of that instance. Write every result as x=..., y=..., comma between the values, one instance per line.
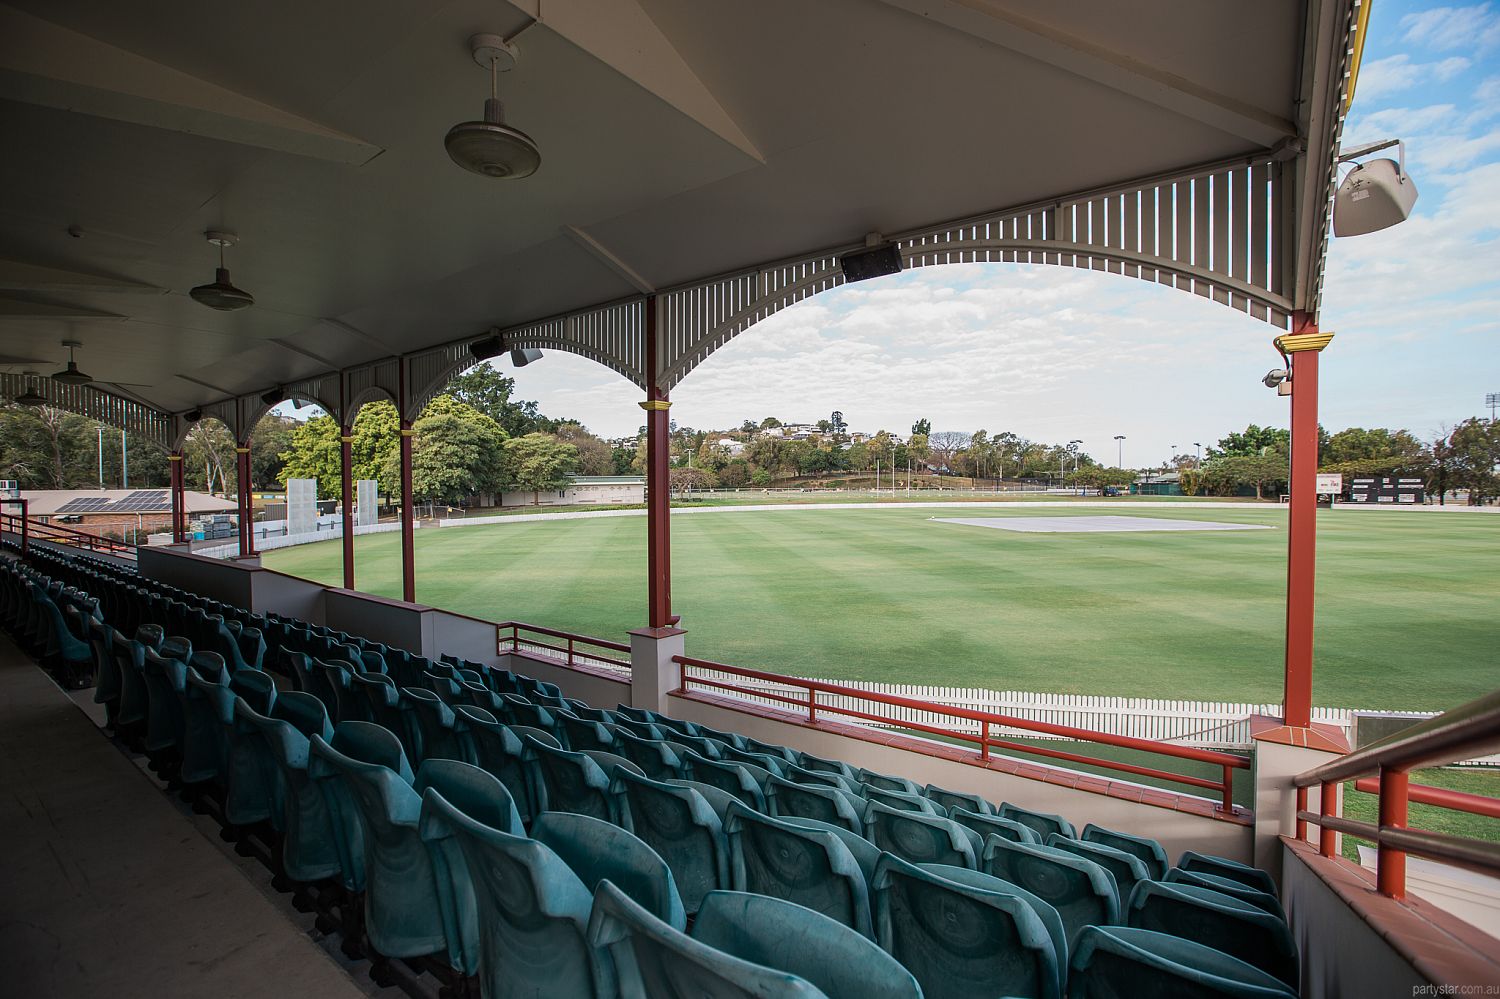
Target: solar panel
x=141, y=500
x=84, y=504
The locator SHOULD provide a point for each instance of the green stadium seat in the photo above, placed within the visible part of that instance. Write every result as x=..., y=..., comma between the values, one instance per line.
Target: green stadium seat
x=809, y=866
x=1253, y=877
x=959, y=799
x=815, y=801
x=601, y=851
x=1238, y=889
x=963, y=934
x=1082, y=892
x=990, y=824
x=920, y=838
x=1216, y=920
x=1121, y=961
x=682, y=827
x=1148, y=851
x=1125, y=869
x=1043, y=824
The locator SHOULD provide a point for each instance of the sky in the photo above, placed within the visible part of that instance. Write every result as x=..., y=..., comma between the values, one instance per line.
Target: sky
x=1055, y=354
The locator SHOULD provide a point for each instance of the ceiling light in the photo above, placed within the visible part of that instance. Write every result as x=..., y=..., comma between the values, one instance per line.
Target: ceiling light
x=71, y=375
x=491, y=147
x=1375, y=195
x=221, y=294
x=31, y=397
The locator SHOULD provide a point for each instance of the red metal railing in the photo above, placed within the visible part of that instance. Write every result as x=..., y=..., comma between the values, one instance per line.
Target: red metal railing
x=983, y=720
x=1463, y=733
x=32, y=529
x=575, y=650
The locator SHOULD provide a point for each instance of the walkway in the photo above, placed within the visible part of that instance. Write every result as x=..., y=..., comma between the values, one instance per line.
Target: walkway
x=107, y=888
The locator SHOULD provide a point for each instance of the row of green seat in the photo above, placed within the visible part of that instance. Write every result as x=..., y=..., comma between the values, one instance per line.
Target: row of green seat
x=716, y=812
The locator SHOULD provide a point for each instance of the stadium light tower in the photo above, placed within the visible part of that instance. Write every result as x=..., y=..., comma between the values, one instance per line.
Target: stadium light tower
x=1120, y=456
x=1073, y=446
x=1492, y=400
x=1198, y=458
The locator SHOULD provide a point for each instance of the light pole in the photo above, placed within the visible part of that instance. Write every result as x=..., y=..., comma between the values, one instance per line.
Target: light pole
x=101, y=456
x=1073, y=446
x=1198, y=458
x=1120, y=455
x=1492, y=399
x=690, y=457
x=893, y=467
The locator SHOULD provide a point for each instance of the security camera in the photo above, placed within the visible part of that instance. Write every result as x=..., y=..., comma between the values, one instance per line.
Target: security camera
x=1275, y=377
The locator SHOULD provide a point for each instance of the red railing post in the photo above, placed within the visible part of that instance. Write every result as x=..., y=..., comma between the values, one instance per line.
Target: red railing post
x=984, y=740
x=515, y=638
x=570, y=650
x=1328, y=805
x=1390, y=864
x=1228, y=788
x=1301, y=807
x=812, y=705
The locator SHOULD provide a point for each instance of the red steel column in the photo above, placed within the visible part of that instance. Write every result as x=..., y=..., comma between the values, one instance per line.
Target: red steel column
x=242, y=498
x=1301, y=346
x=346, y=488
x=1390, y=863
x=658, y=489
x=179, y=527
x=408, y=521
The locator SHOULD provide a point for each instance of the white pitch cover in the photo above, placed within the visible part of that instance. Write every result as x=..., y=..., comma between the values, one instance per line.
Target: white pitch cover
x=301, y=506
x=367, y=508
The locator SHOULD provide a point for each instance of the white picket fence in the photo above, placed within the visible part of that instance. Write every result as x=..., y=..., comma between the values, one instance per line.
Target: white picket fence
x=1203, y=724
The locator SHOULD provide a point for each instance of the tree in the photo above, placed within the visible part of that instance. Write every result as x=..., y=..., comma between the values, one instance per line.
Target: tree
x=458, y=451
x=485, y=389
x=271, y=437
x=594, y=456
x=1473, y=453
x=1224, y=474
x=736, y=474
x=945, y=446
x=49, y=448
x=685, y=480
x=922, y=426
x=208, y=457
x=312, y=452
x=539, y=462
x=1357, y=451
x=1254, y=440
x=769, y=423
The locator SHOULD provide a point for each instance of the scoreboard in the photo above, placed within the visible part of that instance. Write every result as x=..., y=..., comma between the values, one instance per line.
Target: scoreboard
x=1386, y=489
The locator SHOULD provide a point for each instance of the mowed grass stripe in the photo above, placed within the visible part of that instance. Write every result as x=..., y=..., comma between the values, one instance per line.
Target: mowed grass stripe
x=1406, y=613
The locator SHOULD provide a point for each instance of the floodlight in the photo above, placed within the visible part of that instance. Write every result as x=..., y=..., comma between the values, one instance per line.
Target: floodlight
x=1375, y=195
x=1275, y=377
x=522, y=356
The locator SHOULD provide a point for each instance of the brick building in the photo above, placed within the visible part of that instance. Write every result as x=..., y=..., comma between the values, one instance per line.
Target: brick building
x=117, y=512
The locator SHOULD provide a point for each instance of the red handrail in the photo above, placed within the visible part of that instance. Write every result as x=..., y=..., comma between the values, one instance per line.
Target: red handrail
x=1470, y=730
x=571, y=654
x=1228, y=762
x=67, y=535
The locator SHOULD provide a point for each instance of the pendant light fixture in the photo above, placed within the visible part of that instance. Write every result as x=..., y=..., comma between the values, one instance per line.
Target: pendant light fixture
x=221, y=294
x=490, y=147
x=71, y=375
x=31, y=397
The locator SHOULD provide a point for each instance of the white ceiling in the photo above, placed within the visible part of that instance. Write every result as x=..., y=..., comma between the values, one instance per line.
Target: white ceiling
x=685, y=137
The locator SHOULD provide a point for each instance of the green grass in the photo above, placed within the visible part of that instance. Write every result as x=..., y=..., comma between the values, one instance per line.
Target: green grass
x=1406, y=599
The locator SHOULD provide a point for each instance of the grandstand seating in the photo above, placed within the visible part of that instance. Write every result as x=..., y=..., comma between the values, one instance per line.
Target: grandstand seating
x=479, y=822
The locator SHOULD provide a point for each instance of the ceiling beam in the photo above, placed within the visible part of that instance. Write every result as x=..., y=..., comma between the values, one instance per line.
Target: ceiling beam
x=18, y=275
x=620, y=34
x=997, y=24
x=20, y=309
x=48, y=65
x=606, y=257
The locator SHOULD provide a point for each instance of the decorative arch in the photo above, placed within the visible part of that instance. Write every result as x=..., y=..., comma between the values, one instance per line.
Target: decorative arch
x=1219, y=231
x=114, y=410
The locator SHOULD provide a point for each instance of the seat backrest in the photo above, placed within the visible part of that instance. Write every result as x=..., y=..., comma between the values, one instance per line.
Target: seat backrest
x=886, y=782
x=1216, y=920
x=566, y=781
x=661, y=760
x=654, y=959
x=304, y=712
x=1119, y=960
x=473, y=791
x=499, y=752
x=904, y=802
x=682, y=827
x=1241, y=891
x=598, y=851
x=583, y=734
x=208, y=711
x=811, y=867
x=963, y=933
x=950, y=800
x=1124, y=868
x=827, y=778
x=1148, y=851
x=1082, y=892
x=1223, y=867
x=920, y=838
x=813, y=801
x=990, y=824
x=1043, y=824
x=734, y=778
x=534, y=910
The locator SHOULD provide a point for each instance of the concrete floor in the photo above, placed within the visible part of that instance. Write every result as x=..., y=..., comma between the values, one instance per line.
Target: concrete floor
x=111, y=887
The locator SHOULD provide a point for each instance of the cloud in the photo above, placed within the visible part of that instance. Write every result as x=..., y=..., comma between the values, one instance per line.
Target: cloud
x=1396, y=73
x=1447, y=28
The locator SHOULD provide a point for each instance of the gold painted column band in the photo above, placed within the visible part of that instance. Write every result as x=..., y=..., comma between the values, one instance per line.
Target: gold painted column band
x=346, y=440
x=174, y=457
x=1292, y=343
x=241, y=450
x=651, y=404
x=408, y=433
